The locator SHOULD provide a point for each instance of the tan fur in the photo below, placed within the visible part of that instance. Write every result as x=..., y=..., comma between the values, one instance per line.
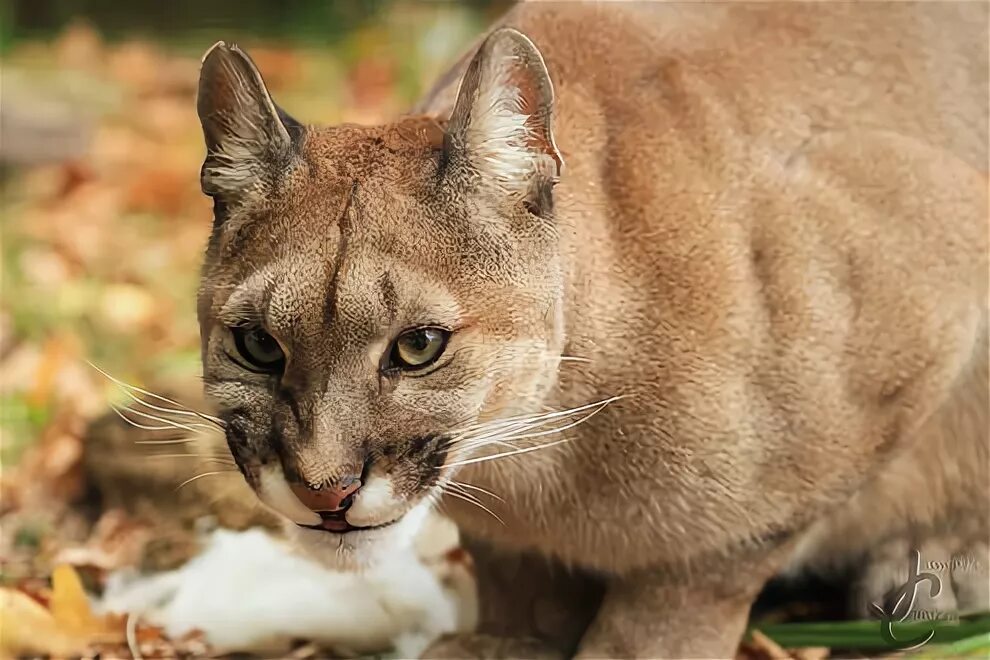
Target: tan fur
x=769, y=236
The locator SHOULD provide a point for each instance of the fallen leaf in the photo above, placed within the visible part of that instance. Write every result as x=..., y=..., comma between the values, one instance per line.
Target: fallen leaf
x=36, y=588
x=73, y=174
x=117, y=541
x=30, y=629
x=761, y=647
x=159, y=190
x=281, y=66
x=69, y=604
x=73, y=613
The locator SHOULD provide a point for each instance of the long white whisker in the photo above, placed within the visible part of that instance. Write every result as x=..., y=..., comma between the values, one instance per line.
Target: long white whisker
x=525, y=450
x=506, y=436
x=200, y=476
x=547, y=445
x=173, y=411
x=183, y=409
x=496, y=429
x=464, y=484
x=492, y=436
x=138, y=425
x=224, y=459
x=178, y=425
x=467, y=497
x=544, y=416
x=179, y=441
x=468, y=447
x=453, y=485
x=557, y=429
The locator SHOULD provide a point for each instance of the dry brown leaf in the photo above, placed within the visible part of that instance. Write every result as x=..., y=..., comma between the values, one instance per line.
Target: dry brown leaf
x=281, y=66
x=811, y=653
x=36, y=588
x=117, y=541
x=58, y=460
x=761, y=647
x=73, y=175
x=371, y=81
x=159, y=190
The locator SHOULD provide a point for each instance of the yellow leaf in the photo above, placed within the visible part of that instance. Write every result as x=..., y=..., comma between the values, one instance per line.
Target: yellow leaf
x=27, y=628
x=73, y=614
x=69, y=604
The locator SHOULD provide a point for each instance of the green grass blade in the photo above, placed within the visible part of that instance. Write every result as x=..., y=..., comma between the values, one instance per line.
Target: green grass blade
x=867, y=634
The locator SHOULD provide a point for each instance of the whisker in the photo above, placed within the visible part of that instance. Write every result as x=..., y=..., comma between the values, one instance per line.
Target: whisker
x=193, y=413
x=183, y=410
x=464, y=484
x=478, y=443
x=557, y=429
x=138, y=425
x=525, y=450
x=435, y=497
x=504, y=436
x=178, y=425
x=218, y=459
x=551, y=415
x=491, y=436
x=200, y=476
x=467, y=497
x=177, y=441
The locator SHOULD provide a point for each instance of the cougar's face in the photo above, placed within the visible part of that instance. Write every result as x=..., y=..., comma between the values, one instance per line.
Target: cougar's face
x=370, y=295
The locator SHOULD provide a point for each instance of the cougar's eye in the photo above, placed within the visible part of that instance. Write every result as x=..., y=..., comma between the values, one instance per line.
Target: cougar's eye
x=415, y=349
x=258, y=348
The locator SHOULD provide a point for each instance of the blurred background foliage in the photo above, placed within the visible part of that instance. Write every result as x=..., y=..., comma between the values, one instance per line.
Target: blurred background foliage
x=102, y=221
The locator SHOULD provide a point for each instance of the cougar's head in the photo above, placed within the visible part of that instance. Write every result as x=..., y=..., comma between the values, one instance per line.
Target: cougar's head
x=372, y=296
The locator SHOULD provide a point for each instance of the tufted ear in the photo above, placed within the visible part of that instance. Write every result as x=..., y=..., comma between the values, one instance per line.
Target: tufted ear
x=250, y=143
x=501, y=124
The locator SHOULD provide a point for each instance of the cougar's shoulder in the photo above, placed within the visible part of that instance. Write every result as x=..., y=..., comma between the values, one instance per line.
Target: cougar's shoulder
x=752, y=219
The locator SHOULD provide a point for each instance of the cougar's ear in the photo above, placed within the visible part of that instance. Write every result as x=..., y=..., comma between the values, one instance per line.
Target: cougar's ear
x=500, y=128
x=250, y=143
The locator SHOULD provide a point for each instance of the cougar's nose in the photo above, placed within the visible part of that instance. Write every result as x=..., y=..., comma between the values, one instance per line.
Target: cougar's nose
x=334, y=497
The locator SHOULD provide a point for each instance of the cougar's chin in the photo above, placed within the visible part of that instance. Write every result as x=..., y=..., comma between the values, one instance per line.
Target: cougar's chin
x=358, y=548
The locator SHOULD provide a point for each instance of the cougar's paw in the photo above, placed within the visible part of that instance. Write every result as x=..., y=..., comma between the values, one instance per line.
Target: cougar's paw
x=931, y=578
x=490, y=647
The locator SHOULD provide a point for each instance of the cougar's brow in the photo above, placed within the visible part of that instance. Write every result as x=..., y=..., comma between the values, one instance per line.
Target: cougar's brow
x=248, y=301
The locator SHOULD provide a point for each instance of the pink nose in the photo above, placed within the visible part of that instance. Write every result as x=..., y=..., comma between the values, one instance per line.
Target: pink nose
x=335, y=497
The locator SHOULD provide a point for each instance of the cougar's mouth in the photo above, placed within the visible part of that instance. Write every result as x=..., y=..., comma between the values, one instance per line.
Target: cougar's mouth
x=335, y=523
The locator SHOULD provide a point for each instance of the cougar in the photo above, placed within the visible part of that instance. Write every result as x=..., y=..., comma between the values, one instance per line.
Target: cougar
x=658, y=301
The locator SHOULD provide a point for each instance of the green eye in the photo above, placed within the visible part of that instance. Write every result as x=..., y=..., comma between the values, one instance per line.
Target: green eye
x=259, y=348
x=415, y=349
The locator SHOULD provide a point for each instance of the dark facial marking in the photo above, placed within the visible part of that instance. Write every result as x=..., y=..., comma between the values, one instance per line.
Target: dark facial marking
x=343, y=223
x=390, y=299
